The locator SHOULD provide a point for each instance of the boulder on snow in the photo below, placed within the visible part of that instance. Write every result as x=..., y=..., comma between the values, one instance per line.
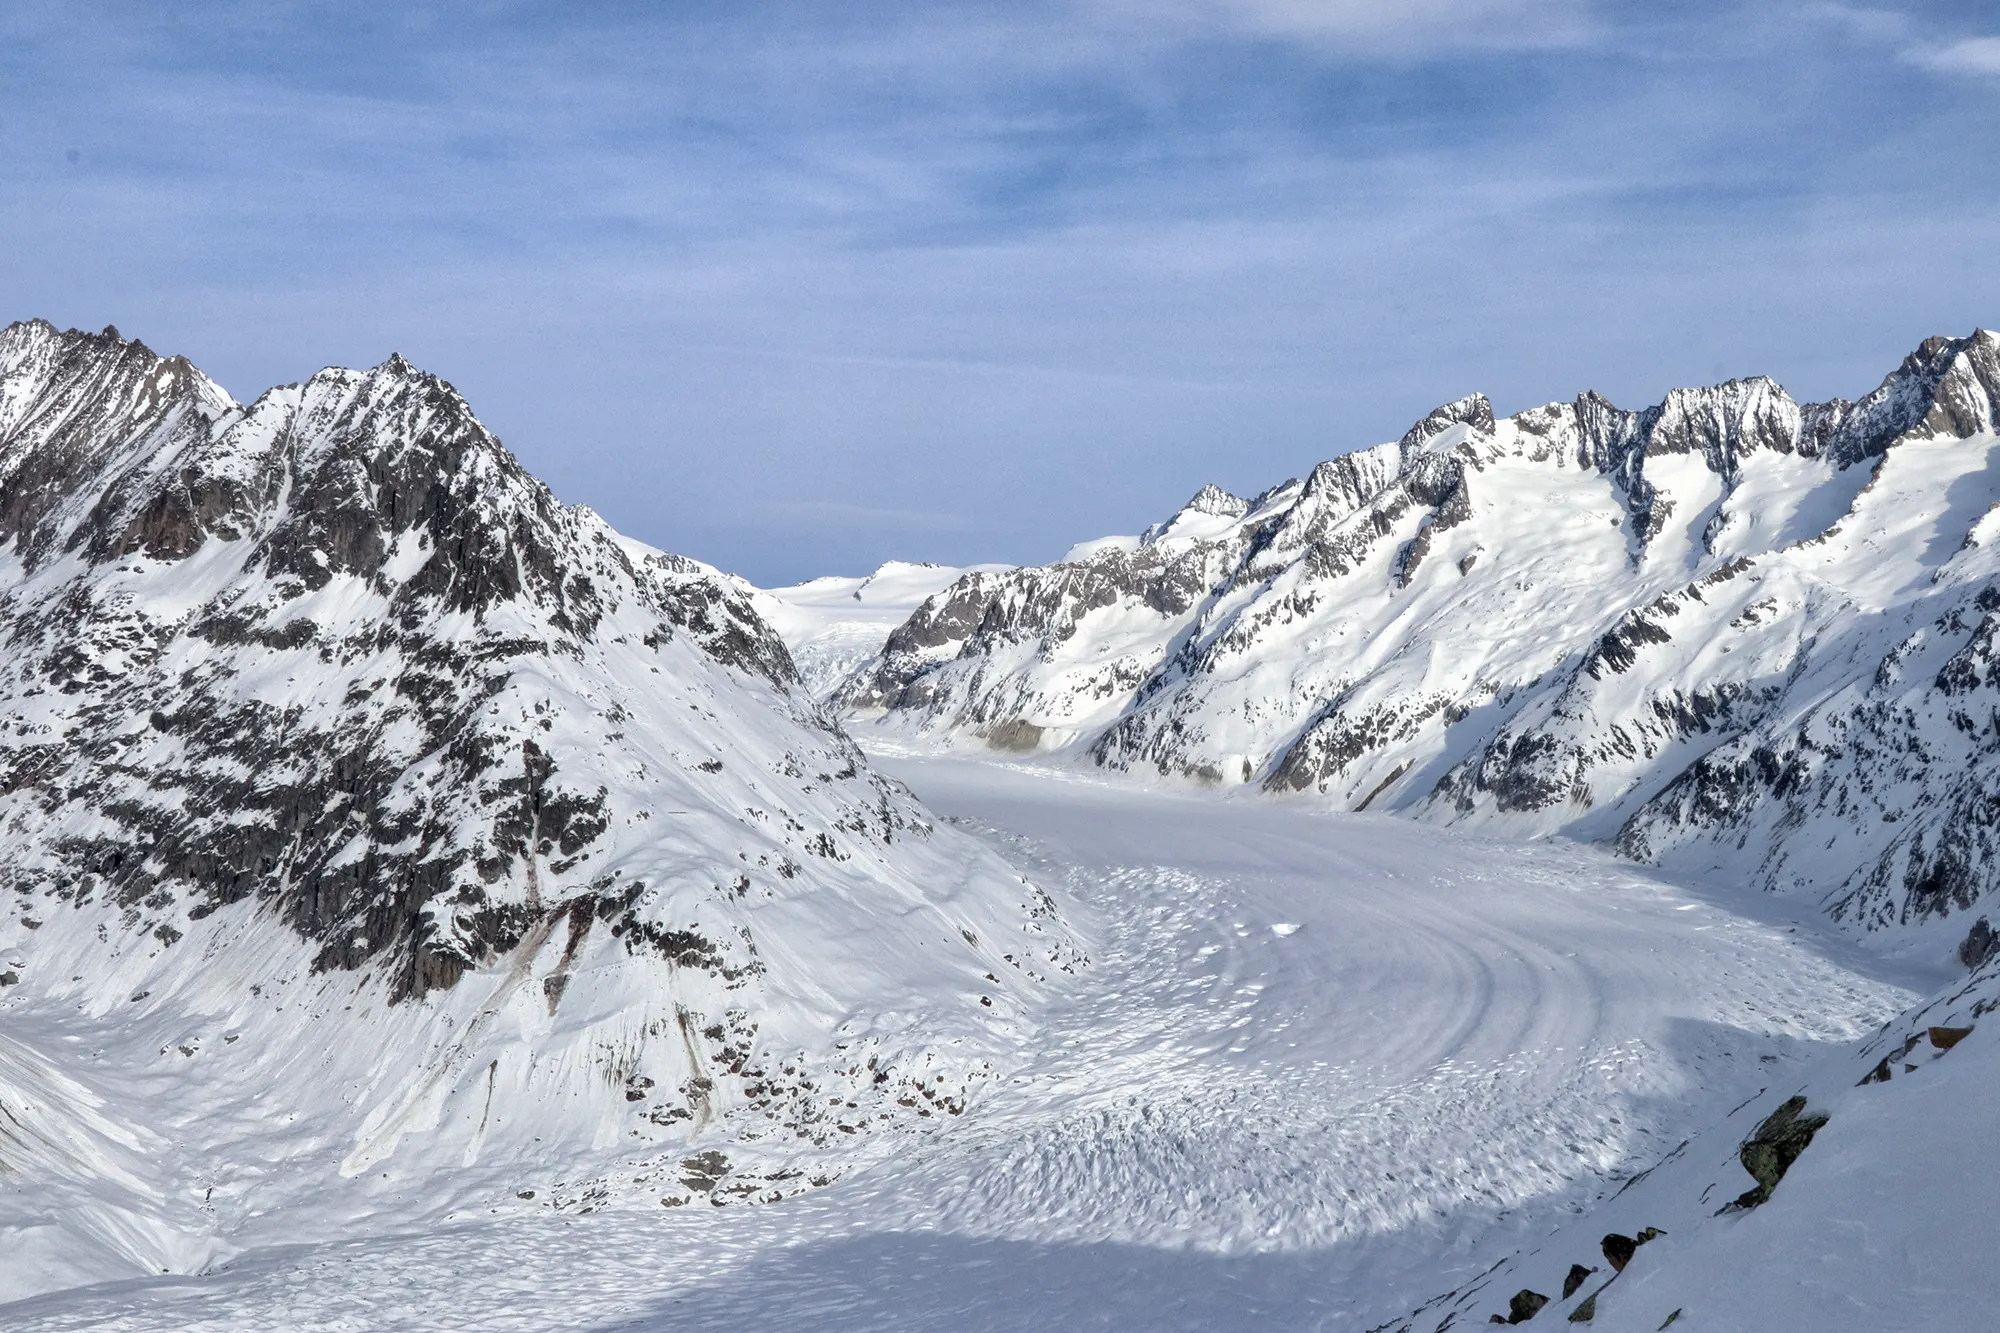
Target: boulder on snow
x=1946, y=1038
x=1770, y=1152
x=1980, y=943
x=1578, y=1274
x=1618, y=1249
x=1525, y=1305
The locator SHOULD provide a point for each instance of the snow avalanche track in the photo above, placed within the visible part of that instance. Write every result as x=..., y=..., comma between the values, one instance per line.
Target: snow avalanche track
x=1321, y=1068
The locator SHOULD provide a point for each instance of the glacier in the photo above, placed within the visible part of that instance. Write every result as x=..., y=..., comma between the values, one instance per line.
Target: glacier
x=1349, y=907
x=1731, y=634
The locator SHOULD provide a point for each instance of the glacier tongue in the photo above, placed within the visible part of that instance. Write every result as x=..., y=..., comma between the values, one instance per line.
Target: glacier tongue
x=1320, y=1069
x=401, y=866
x=1735, y=633
x=439, y=832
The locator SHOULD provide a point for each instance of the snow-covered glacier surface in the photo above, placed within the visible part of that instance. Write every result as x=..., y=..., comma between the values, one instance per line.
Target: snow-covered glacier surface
x=422, y=906
x=1732, y=632
x=837, y=624
x=1320, y=1069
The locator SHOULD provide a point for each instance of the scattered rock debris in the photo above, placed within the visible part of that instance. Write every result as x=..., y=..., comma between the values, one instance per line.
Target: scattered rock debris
x=1618, y=1249
x=1523, y=1306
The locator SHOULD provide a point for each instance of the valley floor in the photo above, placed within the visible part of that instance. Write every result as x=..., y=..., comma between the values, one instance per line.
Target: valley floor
x=1322, y=1068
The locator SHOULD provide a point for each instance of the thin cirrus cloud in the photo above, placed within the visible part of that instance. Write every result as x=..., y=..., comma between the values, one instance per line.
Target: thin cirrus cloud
x=1970, y=55
x=797, y=288
x=1415, y=27
x=1927, y=44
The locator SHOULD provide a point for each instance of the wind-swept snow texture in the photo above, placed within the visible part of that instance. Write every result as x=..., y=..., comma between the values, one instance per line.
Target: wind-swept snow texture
x=431, y=831
x=1320, y=1069
x=1878, y=1220
x=1731, y=632
x=836, y=625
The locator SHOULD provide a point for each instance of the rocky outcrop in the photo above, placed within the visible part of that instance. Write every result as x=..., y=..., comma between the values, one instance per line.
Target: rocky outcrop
x=1769, y=1153
x=334, y=663
x=1729, y=630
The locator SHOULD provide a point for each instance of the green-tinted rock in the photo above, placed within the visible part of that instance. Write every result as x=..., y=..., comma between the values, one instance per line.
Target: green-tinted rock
x=1770, y=1152
x=1585, y=1312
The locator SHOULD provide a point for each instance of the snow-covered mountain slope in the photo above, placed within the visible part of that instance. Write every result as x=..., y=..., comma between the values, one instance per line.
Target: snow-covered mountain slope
x=368, y=816
x=835, y=625
x=1320, y=1069
x=1851, y=1195
x=1731, y=631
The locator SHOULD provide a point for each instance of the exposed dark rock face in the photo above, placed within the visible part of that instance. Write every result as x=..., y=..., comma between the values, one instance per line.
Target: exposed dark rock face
x=1980, y=944
x=1694, y=628
x=335, y=656
x=198, y=713
x=1770, y=1151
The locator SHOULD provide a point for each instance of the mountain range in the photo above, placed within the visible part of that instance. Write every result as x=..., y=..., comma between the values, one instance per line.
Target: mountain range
x=391, y=850
x=1730, y=634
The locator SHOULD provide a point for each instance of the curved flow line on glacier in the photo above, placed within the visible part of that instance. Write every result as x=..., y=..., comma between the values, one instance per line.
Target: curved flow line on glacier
x=1449, y=1043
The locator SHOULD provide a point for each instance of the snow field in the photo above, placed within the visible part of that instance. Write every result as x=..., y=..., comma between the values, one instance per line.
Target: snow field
x=833, y=625
x=1321, y=1067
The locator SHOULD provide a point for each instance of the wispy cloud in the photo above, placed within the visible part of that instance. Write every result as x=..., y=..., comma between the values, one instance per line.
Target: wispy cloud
x=1371, y=28
x=1048, y=264
x=1970, y=55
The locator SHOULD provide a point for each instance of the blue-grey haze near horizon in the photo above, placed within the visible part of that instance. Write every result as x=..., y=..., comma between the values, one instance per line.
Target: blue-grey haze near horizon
x=797, y=288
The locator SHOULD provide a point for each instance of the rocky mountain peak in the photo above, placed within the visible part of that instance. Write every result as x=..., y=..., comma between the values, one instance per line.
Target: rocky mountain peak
x=1213, y=500
x=88, y=421
x=335, y=665
x=1699, y=622
x=1473, y=410
x=1947, y=386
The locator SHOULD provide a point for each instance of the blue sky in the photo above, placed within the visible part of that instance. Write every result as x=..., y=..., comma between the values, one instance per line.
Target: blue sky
x=800, y=287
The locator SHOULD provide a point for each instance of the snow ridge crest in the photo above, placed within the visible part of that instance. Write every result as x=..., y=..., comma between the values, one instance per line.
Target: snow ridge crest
x=329, y=687
x=1693, y=627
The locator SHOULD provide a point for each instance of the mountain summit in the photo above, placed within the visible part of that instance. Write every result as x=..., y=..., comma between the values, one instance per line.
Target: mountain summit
x=340, y=759
x=1731, y=631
